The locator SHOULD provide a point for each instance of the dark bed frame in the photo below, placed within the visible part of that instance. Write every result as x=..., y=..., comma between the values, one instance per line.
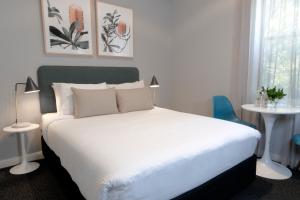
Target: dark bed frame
x=221, y=187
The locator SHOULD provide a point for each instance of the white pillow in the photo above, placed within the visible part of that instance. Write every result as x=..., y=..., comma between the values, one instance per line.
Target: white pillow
x=55, y=87
x=125, y=86
x=64, y=96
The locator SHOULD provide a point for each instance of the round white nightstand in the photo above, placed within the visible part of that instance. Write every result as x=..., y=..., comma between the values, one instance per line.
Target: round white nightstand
x=265, y=166
x=25, y=166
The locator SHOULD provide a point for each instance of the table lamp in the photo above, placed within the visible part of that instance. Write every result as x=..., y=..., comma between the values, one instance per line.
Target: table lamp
x=154, y=84
x=30, y=87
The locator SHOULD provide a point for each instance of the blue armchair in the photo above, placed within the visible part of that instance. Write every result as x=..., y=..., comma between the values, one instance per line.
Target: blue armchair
x=222, y=109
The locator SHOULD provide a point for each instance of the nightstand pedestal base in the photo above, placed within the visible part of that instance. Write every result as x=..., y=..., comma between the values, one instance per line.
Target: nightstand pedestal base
x=272, y=170
x=24, y=168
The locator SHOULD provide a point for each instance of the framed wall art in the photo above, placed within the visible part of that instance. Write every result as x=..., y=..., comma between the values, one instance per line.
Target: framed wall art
x=67, y=26
x=114, y=30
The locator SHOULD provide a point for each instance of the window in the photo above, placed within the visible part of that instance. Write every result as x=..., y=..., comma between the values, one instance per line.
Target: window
x=279, y=57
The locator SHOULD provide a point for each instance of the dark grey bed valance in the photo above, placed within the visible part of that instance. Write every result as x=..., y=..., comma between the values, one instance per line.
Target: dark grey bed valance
x=78, y=74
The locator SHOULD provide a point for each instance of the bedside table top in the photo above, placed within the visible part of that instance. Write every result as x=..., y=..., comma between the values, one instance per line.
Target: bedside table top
x=10, y=129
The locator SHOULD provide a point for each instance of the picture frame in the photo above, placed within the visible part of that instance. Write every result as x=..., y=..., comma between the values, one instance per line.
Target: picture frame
x=114, y=30
x=67, y=27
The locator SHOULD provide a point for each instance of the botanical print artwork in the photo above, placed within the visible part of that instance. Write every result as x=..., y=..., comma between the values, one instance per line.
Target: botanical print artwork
x=115, y=31
x=67, y=26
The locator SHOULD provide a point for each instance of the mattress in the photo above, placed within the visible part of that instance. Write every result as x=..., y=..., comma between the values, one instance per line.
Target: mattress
x=151, y=155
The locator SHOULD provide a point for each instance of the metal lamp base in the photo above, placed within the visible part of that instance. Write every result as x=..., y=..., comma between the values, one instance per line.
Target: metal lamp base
x=24, y=168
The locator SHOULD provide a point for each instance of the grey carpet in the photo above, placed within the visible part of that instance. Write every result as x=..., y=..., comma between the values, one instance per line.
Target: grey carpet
x=266, y=189
x=41, y=185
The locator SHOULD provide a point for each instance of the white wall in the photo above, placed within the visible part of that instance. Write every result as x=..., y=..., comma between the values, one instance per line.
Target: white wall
x=192, y=46
x=21, y=53
x=205, y=53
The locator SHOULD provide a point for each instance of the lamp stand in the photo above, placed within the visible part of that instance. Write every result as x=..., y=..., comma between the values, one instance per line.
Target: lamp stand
x=154, y=96
x=18, y=124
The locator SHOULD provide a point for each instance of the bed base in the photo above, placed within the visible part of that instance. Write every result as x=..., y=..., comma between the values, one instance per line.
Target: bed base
x=221, y=187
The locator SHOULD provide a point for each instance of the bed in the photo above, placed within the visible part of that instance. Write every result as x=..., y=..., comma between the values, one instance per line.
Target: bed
x=151, y=154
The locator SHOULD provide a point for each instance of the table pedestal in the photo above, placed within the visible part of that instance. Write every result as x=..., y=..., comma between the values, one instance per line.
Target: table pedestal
x=25, y=166
x=265, y=166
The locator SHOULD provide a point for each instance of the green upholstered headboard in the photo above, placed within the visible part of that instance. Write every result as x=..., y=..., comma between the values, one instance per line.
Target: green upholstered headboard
x=78, y=74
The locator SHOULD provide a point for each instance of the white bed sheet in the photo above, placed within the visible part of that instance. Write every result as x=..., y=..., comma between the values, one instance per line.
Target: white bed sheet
x=151, y=155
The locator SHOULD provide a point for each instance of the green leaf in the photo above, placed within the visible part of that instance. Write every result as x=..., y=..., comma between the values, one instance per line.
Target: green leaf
x=105, y=29
x=53, y=9
x=78, y=35
x=274, y=93
x=53, y=30
x=73, y=26
x=83, y=45
x=51, y=14
x=106, y=17
x=103, y=38
x=66, y=32
x=116, y=21
x=54, y=42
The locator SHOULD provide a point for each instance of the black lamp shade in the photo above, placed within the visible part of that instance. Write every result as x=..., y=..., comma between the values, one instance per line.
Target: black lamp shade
x=154, y=82
x=31, y=86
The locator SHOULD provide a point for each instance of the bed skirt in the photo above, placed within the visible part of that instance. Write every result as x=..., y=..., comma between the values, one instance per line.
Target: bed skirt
x=221, y=187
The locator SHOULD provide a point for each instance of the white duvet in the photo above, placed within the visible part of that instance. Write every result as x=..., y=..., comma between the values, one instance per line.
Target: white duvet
x=150, y=155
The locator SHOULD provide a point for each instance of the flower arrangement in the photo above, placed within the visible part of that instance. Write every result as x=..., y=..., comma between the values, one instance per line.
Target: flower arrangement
x=274, y=94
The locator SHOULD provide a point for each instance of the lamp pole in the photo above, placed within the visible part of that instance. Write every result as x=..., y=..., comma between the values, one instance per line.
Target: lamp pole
x=16, y=100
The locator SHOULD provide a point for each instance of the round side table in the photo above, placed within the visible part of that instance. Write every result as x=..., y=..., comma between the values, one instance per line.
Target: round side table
x=24, y=167
x=265, y=166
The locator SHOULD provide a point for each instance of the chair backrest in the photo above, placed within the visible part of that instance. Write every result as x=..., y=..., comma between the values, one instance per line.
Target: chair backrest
x=296, y=139
x=222, y=108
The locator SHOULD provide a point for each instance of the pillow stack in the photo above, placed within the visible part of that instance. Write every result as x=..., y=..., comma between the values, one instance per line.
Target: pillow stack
x=85, y=100
x=64, y=95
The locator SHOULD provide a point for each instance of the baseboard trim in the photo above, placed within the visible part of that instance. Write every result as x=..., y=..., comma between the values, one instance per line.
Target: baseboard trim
x=16, y=160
